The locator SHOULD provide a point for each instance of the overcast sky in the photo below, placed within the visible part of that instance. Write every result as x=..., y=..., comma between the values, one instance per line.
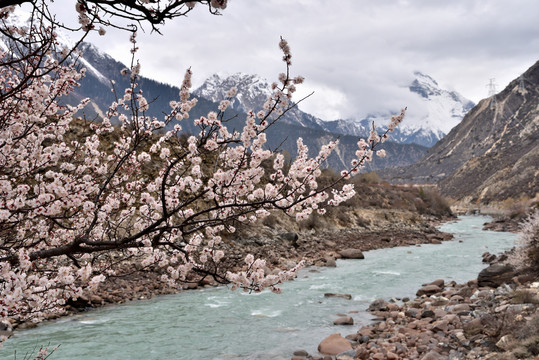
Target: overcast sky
x=357, y=55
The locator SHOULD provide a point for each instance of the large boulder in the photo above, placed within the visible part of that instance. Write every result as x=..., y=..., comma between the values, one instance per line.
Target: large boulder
x=495, y=275
x=334, y=344
x=291, y=237
x=438, y=282
x=351, y=254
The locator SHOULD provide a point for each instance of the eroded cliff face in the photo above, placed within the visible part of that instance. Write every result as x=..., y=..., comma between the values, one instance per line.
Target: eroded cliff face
x=493, y=154
x=507, y=165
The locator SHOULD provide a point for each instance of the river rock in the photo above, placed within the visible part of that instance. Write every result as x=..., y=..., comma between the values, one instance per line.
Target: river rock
x=495, y=275
x=438, y=282
x=460, y=308
x=347, y=355
x=301, y=353
x=290, y=236
x=378, y=305
x=330, y=262
x=352, y=254
x=334, y=345
x=456, y=299
x=346, y=320
x=434, y=240
x=440, y=326
x=344, y=296
x=412, y=313
x=428, y=290
x=488, y=257
x=330, y=244
x=431, y=355
x=427, y=313
x=473, y=327
x=5, y=329
x=465, y=291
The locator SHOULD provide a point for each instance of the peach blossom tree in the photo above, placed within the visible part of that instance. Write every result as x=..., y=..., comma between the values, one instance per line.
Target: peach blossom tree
x=76, y=208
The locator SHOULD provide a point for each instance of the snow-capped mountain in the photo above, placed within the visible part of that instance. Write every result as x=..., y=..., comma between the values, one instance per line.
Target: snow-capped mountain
x=436, y=112
x=445, y=108
x=253, y=91
x=432, y=115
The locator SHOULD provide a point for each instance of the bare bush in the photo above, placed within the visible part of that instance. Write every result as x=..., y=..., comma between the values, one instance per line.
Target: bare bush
x=526, y=253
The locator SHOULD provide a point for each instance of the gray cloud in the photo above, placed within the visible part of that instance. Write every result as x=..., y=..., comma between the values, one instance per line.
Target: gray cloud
x=358, y=55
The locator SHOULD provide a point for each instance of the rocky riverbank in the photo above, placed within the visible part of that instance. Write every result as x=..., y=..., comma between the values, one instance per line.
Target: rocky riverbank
x=493, y=317
x=509, y=223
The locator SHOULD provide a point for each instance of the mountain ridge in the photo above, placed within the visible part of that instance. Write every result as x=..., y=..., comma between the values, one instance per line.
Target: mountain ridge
x=443, y=109
x=103, y=73
x=294, y=124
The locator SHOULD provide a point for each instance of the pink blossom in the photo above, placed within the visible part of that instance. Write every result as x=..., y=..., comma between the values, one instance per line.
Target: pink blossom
x=162, y=197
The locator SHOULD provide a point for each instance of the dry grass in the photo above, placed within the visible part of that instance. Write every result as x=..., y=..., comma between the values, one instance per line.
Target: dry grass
x=524, y=296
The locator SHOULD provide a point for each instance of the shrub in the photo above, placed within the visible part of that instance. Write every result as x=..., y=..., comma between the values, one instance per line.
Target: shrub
x=369, y=178
x=270, y=221
x=523, y=296
x=532, y=345
x=526, y=254
x=436, y=204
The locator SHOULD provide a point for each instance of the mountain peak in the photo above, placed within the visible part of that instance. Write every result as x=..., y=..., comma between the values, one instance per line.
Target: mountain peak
x=253, y=90
x=436, y=110
x=424, y=85
x=444, y=108
x=425, y=79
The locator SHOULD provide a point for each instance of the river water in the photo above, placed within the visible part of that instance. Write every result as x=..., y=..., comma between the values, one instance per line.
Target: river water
x=221, y=324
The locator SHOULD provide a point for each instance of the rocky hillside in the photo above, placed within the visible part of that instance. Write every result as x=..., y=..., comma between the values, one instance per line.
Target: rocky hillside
x=493, y=154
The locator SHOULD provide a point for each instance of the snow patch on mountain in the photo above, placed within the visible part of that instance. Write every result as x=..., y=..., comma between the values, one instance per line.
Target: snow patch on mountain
x=23, y=18
x=445, y=109
x=102, y=78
